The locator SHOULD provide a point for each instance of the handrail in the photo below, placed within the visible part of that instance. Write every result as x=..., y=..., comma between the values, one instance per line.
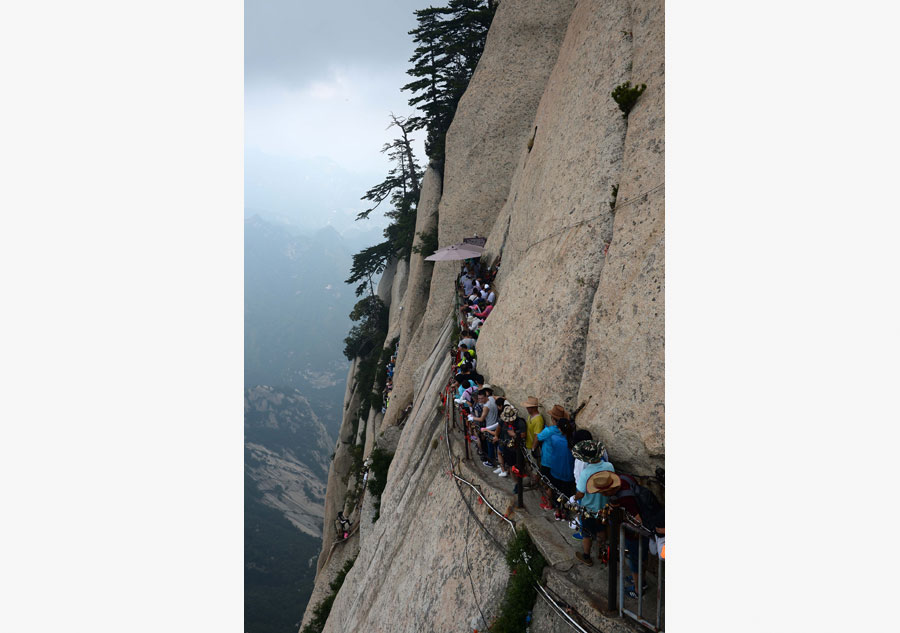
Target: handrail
x=639, y=580
x=542, y=591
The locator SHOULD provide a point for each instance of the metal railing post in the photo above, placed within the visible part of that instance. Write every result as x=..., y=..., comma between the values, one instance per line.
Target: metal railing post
x=612, y=526
x=520, y=467
x=465, y=429
x=659, y=589
x=620, y=584
x=639, y=583
x=639, y=580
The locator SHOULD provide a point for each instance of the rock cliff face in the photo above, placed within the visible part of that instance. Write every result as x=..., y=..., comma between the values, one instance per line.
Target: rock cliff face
x=581, y=283
x=533, y=157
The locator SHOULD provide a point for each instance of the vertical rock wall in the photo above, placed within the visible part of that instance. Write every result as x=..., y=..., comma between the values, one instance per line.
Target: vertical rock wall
x=413, y=571
x=491, y=126
x=398, y=289
x=580, y=315
x=415, y=298
x=624, y=369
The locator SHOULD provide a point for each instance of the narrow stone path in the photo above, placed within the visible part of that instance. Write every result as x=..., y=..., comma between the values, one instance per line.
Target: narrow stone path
x=582, y=587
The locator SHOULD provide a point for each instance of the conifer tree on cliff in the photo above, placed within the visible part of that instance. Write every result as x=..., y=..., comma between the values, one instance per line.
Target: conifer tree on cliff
x=401, y=189
x=450, y=41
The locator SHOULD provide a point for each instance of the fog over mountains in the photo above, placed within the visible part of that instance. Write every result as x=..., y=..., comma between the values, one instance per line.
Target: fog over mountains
x=296, y=308
x=305, y=195
x=296, y=315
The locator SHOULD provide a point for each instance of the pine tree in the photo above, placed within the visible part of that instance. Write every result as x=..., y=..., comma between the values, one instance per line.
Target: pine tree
x=401, y=187
x=450, y=40
x=429, y=61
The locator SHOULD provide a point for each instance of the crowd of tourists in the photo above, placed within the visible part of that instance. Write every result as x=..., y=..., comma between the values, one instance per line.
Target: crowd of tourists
x=578, y=482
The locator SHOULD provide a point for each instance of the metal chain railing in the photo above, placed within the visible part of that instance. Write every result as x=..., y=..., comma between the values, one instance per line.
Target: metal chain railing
x=539, y=587
x=557, y=605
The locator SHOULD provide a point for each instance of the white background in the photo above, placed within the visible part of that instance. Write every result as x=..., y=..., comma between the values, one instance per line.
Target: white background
x=121, y=247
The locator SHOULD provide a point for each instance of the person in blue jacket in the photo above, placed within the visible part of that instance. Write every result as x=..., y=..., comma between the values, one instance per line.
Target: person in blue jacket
x=562, y=464
x=556, y=413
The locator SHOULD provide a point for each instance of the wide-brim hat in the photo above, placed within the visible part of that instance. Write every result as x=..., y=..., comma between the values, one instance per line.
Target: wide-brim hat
x=509, y=413
x=557, y=412
x=603, y=482
x=531, y=401
x=588, y=451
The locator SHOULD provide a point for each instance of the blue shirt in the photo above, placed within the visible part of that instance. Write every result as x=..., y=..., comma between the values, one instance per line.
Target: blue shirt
x=546, y=447
x=595, y=501
x=562, y=463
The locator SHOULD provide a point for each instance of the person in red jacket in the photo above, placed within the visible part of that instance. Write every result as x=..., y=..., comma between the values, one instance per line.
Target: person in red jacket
x=484, y=313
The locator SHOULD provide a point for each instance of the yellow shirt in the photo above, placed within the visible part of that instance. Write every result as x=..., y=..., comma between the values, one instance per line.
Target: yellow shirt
x=535, y=426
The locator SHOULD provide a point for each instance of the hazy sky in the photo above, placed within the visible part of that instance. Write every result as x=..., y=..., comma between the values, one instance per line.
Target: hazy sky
x=320, y=81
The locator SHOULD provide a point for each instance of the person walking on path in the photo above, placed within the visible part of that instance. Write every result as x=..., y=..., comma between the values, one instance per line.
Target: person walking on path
x=562, y=465
x=556, y=413
x=490, y=418
x=534, y=426
x=591, y=453
x=624, y=491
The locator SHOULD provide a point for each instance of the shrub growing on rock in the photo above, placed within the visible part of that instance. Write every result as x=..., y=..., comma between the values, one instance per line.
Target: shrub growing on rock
x=626, y=95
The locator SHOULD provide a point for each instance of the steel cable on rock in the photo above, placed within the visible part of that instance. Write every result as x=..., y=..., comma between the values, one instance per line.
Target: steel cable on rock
x=590, y=219
x=469, y=573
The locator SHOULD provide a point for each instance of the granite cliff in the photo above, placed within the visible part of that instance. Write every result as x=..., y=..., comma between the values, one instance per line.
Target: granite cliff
x=570, y=193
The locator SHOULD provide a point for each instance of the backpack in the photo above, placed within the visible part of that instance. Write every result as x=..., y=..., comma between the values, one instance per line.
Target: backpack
x=654, y=483
x=521, y=427
x=651, y=510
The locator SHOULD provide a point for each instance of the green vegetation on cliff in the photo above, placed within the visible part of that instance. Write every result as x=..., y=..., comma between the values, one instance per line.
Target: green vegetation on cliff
x=450, y=42
x=526, y=566
x=381, y=462
x=320, y=612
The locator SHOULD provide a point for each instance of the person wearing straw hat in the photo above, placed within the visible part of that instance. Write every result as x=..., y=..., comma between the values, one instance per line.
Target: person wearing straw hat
x=562, y=465
x=547, y=455
x=467, y=281
x=534, y=426
x=621, y=494
x=557, y=413
x=509, y=430
x=591, y=453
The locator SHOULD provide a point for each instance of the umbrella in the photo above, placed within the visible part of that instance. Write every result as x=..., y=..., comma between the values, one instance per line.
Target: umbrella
x=455, y=251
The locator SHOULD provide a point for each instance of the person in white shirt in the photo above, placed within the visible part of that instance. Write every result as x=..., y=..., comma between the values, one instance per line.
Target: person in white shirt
x=467, y=284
